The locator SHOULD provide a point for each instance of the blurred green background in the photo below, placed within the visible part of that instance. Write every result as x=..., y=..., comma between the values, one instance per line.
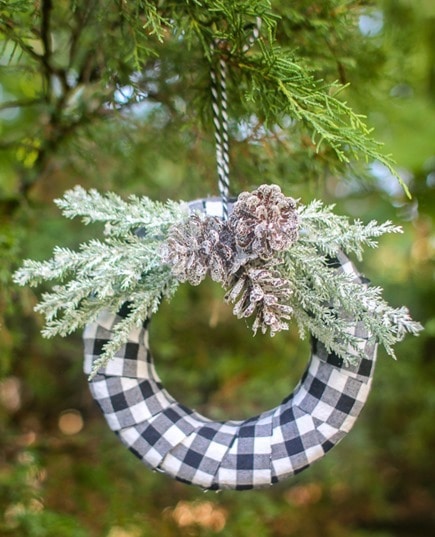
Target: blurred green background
x=75, y=109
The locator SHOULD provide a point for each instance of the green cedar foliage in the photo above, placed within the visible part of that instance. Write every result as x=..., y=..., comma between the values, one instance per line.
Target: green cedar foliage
x=83, y=78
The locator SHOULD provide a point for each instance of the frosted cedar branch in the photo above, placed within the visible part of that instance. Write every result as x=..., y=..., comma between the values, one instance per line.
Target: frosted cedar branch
x=272, y=257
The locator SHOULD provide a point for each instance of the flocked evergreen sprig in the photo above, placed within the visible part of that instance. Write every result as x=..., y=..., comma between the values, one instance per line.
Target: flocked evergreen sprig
x=272, y=256
x=104, y=274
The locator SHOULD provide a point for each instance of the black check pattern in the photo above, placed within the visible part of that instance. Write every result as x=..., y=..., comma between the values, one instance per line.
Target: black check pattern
x=244, y=454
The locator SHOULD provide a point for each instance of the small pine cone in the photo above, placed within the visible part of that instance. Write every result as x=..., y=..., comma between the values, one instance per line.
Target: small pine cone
x=273, y=316
x=263, y=293
x=189, y=246
x=264, y=221
x=200, y=245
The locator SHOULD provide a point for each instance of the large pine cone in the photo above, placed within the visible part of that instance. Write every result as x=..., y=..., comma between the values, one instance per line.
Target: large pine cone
x=264, y=222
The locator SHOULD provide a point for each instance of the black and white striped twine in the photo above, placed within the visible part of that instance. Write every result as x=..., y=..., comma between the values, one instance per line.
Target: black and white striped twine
x=218, y=77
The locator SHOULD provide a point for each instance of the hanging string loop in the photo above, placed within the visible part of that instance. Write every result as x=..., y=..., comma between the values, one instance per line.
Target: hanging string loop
x=218, y=76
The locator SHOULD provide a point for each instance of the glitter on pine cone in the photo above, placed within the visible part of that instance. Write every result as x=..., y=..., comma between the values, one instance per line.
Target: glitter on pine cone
x=188, y=247
x=200, y=245
x=264, y=221
x=262, y=292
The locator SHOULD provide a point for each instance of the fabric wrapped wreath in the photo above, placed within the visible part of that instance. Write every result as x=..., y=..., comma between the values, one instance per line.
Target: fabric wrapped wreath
x=275, y=260
x=251, y=453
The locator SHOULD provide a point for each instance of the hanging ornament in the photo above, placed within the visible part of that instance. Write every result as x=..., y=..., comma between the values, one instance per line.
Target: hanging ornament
x=277, y=260
x=272, y=271
x=252, y=453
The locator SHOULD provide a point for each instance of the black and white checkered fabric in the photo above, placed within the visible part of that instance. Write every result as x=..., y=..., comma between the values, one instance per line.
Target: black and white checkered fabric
x=244, y=454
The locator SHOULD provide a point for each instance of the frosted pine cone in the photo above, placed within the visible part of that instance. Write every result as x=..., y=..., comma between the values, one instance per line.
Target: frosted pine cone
x=200, y=245
x=264, y=221
x=188, y=248
x=263, y=293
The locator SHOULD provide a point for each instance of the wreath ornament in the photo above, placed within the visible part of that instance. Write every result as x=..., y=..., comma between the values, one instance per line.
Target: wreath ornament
x=277, y=260
x=262, y=450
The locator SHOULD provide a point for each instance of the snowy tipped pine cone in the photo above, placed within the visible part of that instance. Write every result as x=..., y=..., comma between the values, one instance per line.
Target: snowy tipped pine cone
x=264, y=221
x=186, y=248
x=200, y=245
x=261, y=291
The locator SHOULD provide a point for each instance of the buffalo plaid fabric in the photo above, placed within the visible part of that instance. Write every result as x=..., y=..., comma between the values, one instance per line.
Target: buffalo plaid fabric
x=245, y=454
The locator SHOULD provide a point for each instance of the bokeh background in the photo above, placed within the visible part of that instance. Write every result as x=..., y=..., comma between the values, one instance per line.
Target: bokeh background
x=75, y=109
